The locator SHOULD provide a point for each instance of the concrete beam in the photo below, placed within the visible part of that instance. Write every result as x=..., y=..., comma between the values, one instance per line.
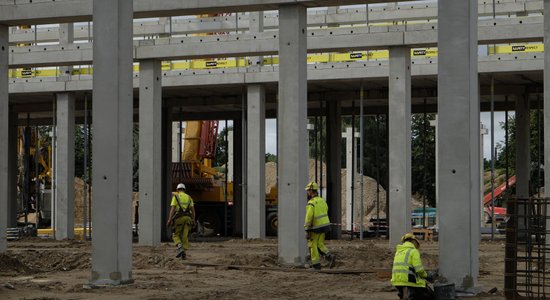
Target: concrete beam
x=81, y=10
x=64, y=169
x=112, y=146
x=150, y=153
x=458, y=136
x=352, y=16
x=4, y=136
x=292, y=132
x=266, y=43
x=400, y=185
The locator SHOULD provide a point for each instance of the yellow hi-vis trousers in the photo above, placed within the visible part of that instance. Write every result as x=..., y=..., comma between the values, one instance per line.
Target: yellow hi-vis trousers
x=316, y=244
x=181, y=233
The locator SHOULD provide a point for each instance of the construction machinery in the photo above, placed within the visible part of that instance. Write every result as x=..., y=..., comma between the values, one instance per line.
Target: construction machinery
x=499, y=212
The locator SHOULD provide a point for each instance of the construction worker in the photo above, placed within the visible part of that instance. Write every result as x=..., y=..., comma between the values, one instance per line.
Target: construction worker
x=408, y=274
x=316, y=225
x=182, y=219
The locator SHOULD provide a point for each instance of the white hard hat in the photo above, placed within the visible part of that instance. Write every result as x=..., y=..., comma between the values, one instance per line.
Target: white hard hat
x=181, y=186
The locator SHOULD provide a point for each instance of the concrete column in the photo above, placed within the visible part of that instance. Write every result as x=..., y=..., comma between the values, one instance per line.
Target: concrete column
x=547, y=105
x=239, y=177
x=12, y=170
x=167, y=127
x=112, y=146
x=433, y=123
x=256, y=25
x=400, y=143
x=177, y=149
x=350, y=170
x=523, y=154
x=256, y=162
x=334, y=166
x=150, y=153
x=459, y=137
x=64, y=221
x=66, y=37
x=292, y=132
x=230, y=155
x=482, y=131
x=4, y=133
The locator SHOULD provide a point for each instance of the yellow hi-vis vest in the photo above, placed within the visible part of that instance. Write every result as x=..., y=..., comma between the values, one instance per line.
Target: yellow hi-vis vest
x=407, y=267
x=185, y=201
x=316, y=214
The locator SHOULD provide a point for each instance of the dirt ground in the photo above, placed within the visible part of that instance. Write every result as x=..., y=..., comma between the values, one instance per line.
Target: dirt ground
x=45, y=269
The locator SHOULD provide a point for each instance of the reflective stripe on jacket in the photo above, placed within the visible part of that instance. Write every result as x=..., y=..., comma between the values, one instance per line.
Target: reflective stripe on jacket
x=184, y=199
x=316, y=214
x=407, y=267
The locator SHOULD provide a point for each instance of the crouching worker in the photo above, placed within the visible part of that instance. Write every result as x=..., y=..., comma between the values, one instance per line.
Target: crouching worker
x=182, y=219
x=316, y=225
x=408, y=274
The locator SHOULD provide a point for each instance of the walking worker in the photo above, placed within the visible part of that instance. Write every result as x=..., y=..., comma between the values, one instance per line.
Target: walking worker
x=182, y=219
x=317, y=223
x=408, y=274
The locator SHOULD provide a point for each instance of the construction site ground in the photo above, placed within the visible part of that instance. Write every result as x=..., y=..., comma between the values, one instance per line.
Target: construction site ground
x=35, y=268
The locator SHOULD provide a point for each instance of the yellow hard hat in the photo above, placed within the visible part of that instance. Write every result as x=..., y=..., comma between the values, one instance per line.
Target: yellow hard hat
x=312, y=186
x=408, y=236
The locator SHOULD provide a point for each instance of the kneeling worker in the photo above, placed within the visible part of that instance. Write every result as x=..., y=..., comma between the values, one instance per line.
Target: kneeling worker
x=408, y=274
x=182, y=219
x=316, y=225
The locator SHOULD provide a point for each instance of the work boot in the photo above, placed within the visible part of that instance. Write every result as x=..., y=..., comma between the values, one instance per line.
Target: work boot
x=316, y=267
x=331, y=258
x=183, y=255
x=179, y=250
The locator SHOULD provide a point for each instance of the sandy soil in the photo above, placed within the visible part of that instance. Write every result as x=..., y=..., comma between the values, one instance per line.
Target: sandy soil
x=43, y=269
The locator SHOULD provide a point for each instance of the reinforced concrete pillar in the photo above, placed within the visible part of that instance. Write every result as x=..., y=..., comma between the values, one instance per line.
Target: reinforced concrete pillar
x=523, y=153
x=459, y=143
x=150, y=153
x=112, y=146
x=167, y=159
x=239, y=177
x=334, y=167
x=256, y=25
x=292, y=133
x=4, y=133
x=64, y=208
x=547, y=106
x=255, y=162
x=351, y=170
x=66, y=37
x=12, y=169
x=400, y=143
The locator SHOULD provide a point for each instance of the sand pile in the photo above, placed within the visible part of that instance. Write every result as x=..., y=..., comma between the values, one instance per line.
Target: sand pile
x=38, y=261
x=369, y=190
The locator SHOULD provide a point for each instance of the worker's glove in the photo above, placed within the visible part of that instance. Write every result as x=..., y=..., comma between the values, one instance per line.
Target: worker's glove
x=308, y=235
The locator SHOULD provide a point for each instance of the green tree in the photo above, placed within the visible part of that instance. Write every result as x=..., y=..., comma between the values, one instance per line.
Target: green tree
x=221, y=148
x=535, y=143
x=270, y=157
x=423, y=157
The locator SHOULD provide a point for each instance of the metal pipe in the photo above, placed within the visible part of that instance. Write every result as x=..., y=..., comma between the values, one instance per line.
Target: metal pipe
x=226, y=173
x=506, y=141
x=54, y=171
x=424, y=163
x=321, y=149
x=36, y=177
x=361, y=130
x=352, y=171
x=377, y=141
x=492, y=158
x=539, y=145
x=85, y=175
